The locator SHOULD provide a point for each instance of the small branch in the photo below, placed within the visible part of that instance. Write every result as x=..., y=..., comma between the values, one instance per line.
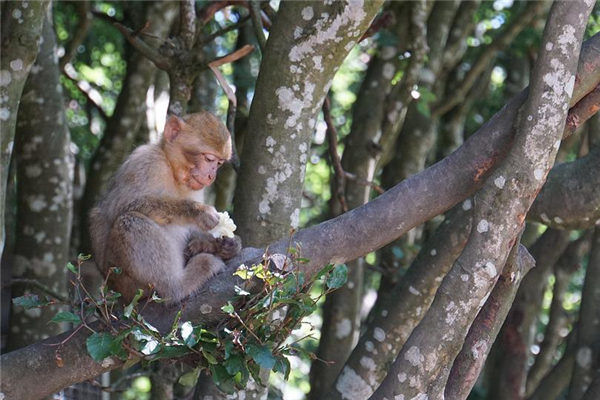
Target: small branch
x=340, y=176
x=85, y=21
x=231, y=110
x=38, y=285
x=224, y=84
x=187, y=18
x=582, y=111
x=148, y=51
x=223, y=31
x=257, y=24
x=231, y=57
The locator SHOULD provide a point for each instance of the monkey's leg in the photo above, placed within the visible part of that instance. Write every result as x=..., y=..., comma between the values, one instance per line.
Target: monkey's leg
x=198, y=270
x=148, y=255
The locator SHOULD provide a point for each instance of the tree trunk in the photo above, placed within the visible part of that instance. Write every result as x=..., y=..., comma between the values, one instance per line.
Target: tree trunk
x=44, y=193
x=22, y=24
x=299, y=63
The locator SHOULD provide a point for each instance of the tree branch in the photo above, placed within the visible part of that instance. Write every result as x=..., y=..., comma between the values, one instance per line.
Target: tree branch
x=339, y=183
x=570, y=199
x=583, y=110
x=148, y=51
x=257, y=23
x=187, y=19
x=482, y=334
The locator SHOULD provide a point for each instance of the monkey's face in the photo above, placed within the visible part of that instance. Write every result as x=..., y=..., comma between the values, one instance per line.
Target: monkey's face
x=202, y=169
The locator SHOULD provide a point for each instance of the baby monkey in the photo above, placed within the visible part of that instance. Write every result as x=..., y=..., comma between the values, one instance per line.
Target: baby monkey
x=148, y=223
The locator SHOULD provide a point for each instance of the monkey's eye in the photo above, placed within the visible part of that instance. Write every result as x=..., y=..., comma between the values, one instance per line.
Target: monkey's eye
x=210, y=158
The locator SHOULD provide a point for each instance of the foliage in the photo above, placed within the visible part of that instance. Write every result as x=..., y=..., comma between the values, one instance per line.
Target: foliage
x=252, y=335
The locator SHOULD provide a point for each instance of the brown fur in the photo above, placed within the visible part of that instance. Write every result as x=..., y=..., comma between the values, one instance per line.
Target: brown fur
x=148, y=218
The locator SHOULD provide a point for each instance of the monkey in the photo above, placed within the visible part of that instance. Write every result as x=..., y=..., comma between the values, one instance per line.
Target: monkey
x=149, y=224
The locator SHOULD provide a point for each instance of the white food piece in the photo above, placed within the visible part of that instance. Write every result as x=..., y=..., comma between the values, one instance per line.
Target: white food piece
x=225, y=227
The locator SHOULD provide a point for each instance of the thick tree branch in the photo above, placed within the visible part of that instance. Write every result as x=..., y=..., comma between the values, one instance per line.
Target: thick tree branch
x=570, y=199
x=482, y=334
x=401, y=307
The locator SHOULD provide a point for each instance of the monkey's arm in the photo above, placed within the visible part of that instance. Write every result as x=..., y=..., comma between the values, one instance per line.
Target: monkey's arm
x=170, y=210
x=224, y=247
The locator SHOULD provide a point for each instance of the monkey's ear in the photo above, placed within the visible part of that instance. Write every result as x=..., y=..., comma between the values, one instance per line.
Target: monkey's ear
x=173, y=127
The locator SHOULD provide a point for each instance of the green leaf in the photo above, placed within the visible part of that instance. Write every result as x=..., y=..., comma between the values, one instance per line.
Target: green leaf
x=228, y=308
x=83, y=257
x=338, y=276
x=29, y=301
x=189, y=379
x=129, y=308
x=261, y=355
x=324, y=271
x=255, y=372
x=235, y=364
x=282, y=365
x=65, y=316
x=209, y=357
x=172, y=352
x=72, y=268
x=243, y=272
x=222, y=379
x=99, y=346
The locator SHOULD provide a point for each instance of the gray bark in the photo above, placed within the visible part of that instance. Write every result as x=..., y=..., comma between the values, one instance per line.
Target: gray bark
x=21, y=32
x=44, y=192
x=307, y=43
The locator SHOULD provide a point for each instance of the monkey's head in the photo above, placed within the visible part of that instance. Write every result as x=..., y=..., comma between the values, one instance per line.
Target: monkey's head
x=196, y=146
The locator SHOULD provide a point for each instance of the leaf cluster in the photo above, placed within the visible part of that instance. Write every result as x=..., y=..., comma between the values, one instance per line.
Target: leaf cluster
x=252, y=335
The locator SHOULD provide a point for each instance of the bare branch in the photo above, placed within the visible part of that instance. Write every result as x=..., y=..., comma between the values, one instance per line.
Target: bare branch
x=339, y=174
x=582, y=111
x=231, y=57
x=255, y=14
x=148, y=51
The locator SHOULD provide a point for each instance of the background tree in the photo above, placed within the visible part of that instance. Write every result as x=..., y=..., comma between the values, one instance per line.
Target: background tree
x=400, y=176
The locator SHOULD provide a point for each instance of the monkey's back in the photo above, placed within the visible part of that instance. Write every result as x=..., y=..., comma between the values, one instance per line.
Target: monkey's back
x=144, y=173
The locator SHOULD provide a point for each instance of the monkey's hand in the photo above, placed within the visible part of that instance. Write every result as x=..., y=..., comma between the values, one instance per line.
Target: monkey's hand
x=200, y=242
x=206, y=216
x=228, y=247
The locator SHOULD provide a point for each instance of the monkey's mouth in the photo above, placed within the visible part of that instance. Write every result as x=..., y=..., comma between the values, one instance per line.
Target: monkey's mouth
x=195, y=184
